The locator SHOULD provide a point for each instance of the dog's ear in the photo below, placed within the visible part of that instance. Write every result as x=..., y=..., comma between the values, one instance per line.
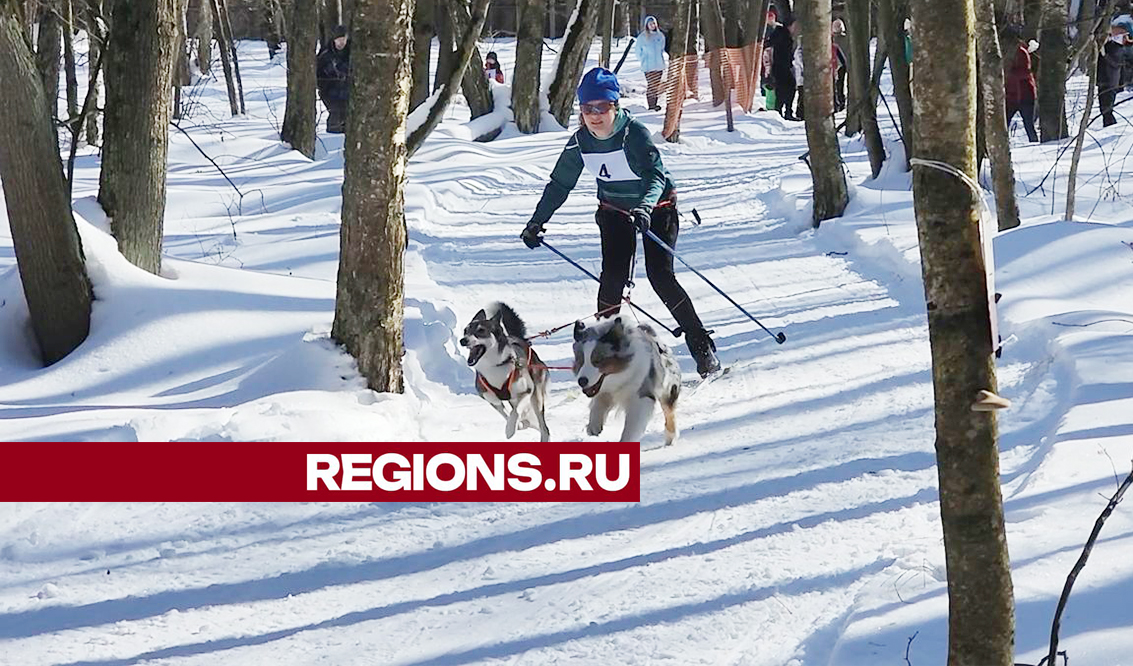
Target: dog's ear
x=615, y=335
x=499, y=315
x=578, y=329
x=480, y=316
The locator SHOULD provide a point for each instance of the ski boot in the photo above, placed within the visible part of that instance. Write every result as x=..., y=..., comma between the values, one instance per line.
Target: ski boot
x=703, y=349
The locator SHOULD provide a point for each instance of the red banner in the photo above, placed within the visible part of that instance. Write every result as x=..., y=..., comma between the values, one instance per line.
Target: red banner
x=326, y=471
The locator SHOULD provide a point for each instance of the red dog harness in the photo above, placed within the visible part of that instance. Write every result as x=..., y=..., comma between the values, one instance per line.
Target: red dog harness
x=504, y=392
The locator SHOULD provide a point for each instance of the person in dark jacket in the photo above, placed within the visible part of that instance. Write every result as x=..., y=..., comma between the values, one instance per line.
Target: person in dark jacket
x=334, y=79
x=635, y=193
x=1019, y=87
x=838, y=46
x=1109, y=70
x=781, y=45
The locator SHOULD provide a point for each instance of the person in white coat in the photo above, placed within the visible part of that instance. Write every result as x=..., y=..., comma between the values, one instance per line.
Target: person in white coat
x=797, y=66
x=651, y=54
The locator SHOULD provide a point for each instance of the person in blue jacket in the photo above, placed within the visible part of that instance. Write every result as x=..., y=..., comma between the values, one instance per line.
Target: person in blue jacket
x=651, y=54
x=635, y=194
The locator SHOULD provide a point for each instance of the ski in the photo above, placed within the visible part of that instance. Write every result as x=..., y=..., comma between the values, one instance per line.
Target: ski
x=694, y=385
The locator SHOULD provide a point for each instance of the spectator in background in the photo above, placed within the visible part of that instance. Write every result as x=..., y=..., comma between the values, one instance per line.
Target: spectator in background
x=781, y=46
x=492, y=69
x=1019, y=85
x=334, y=79
x=1109, y=67
x=839, y=61
x=651, y=54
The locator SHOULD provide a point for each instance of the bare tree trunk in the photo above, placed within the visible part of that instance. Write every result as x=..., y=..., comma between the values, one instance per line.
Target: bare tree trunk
x=423, y=32
x=692, y=45
x=825, y=159
x=275, y=27
x=854, y=63
x=1052, y=72
x=946, y=199
x=181, y=74
x=1032, y=17
x=368, y=313
x=990, y=64
x=891, y=16
x=463, y=56
x=857, y=24
x=733, y=11
x=473, y=85
x=139, y=80
x=49, y=254
x=69, y=61
x=332, y=14
x=1072, y=181
x=225, y=56
x=95, y=37
x=674, y=105
x=526, y=79
x=47, y=52
x=225, y=24
x=1094, y=44
x=755, y=24
x=572, y=57
x=204, y=36
x=446, y=56
x=302, y=41
x=714, y=41
x=606, y=29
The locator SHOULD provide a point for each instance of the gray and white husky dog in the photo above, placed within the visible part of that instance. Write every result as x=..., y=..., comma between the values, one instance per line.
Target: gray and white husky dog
x=625, y=366
x=508, y=371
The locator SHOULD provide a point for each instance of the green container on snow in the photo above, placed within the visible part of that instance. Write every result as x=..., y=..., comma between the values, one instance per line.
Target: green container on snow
x=769, y=97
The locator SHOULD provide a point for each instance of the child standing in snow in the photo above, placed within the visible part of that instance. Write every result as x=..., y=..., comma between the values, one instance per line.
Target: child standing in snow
x=492, y=69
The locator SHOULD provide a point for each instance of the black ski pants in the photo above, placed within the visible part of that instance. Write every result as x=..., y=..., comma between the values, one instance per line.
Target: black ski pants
x=619, y=245
x=1026, y=108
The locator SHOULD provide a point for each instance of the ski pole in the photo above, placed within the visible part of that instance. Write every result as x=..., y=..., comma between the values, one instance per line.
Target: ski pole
x=779, y=337
x=675, y=332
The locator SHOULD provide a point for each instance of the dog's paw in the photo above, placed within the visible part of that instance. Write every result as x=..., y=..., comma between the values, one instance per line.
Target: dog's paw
x=509, y=431
x=594, y=430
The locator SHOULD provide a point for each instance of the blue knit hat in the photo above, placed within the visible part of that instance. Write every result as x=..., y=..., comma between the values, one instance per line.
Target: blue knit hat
x=599, y=84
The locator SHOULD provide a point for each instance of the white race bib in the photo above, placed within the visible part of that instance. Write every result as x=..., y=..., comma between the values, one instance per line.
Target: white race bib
x=609, y=167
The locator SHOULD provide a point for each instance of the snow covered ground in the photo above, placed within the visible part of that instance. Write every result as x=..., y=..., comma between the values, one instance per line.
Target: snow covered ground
x=795, y=521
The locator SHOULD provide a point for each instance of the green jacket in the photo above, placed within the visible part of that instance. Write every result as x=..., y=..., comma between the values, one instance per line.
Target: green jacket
x=627, y=167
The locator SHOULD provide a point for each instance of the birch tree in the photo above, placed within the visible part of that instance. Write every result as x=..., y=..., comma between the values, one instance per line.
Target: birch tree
x=947, y=205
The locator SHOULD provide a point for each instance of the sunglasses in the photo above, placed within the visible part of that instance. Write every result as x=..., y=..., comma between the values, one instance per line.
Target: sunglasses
x=597, y=108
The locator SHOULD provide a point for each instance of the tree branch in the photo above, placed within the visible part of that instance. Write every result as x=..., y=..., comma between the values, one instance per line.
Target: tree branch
x=1081, y=564
x=467, y=45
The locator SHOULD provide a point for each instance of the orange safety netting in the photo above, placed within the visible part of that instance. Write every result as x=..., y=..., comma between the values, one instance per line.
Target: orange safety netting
x=740, y=68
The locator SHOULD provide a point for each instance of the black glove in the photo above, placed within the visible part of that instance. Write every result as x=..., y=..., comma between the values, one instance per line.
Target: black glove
x=532, y=235
x=641, y=219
